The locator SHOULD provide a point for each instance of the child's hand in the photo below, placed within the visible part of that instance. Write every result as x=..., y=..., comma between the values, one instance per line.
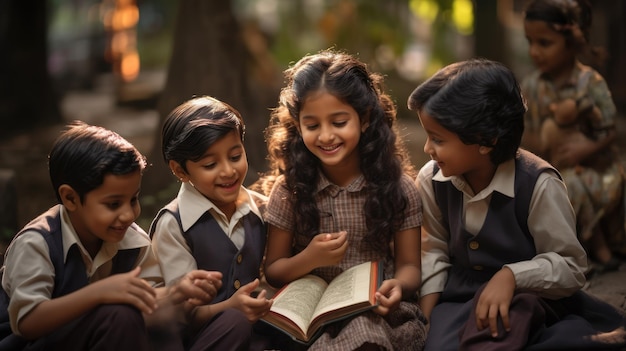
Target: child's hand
x=328, y=249
x=197, y=287
x=253, y=307
x=495, y=300
x=388, y=296
x=126, y=288
x=565, y=111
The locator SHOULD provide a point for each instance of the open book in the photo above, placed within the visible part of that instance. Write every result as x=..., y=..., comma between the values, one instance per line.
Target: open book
x=302, y=307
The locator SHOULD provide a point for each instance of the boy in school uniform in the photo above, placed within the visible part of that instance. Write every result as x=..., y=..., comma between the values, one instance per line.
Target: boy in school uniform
x=82, y=276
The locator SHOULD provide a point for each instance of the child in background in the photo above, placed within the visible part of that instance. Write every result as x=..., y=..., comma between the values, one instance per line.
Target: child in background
x=342, y=196
x=502, y=269
x=214, y=223
x=79, y=276
x=558, y=33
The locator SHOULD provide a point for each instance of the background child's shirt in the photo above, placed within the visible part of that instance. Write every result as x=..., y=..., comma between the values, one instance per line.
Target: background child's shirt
x=584, y=84
x=169, y=245
x=556, y=270
x=28, y=276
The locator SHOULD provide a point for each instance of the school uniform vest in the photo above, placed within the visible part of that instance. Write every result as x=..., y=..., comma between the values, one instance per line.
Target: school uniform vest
x=214, y=251
x=69, y=276
x=504, y=237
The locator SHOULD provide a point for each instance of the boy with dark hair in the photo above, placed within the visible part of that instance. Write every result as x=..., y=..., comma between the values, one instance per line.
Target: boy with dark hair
x=501, y=266
x=82, y=275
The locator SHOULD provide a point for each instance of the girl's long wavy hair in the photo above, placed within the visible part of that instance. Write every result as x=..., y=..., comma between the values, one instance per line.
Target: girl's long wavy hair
x=383, y=156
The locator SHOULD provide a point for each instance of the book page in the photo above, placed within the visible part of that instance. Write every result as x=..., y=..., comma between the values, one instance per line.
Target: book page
x=299, y=299
x=352, y=286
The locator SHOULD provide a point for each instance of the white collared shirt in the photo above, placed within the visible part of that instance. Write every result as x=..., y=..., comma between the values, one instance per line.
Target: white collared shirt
x=170, y=246
x=556, y=270
x=29, y=273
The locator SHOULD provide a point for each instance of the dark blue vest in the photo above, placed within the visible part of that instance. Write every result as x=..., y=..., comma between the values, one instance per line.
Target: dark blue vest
x=504, y=237
x=69, y=276
x=214, y=251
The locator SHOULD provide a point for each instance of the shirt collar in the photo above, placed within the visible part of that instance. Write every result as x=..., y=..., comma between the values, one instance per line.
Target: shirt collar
x=503, y=182
x=356, y=185
x=135, y=237
x=192, y=205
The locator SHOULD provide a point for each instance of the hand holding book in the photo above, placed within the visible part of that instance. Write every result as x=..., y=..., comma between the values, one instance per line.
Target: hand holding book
x=302, y=307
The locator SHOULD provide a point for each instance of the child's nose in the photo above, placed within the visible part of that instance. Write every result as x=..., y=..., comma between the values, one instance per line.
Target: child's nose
x=326, y=135
x=128, y=214
x=228, y=170
x=427, y=147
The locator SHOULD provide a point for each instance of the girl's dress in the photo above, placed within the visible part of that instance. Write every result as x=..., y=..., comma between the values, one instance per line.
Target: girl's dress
x=341, y=208
x=596, y=189
x=530, y=232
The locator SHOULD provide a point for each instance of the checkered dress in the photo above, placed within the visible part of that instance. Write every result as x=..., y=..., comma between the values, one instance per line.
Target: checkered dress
x=342, y=209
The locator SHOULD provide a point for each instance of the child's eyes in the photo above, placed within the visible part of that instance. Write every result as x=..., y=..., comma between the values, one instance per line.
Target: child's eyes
x=436, y=140
x=544, y=43
x=113, y=205
x=236, y=158
x=209, y=165
x=117, y=204
x=337, y=124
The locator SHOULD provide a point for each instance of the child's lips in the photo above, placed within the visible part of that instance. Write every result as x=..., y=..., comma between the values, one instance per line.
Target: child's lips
x=229, y=186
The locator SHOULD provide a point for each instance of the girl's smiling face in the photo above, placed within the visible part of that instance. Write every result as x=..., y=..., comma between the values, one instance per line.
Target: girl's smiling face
x=331, y=130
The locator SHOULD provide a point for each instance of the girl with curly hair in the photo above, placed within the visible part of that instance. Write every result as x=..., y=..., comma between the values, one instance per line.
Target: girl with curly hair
x=342, y=195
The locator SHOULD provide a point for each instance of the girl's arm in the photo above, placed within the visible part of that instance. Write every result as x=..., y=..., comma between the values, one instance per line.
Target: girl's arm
x=407, y=274
x=281, y=267
x=407, y=250
x=427, y=303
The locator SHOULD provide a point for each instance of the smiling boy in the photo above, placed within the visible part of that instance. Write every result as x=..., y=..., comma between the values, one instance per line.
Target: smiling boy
x=82, y=275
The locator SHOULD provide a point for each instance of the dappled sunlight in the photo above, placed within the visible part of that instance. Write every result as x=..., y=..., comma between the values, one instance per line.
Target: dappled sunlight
x=120, y=18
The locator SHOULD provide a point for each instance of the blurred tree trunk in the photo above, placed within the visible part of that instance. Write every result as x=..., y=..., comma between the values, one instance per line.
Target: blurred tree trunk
x=27, y=98
x=489, y=32
x=213, y=54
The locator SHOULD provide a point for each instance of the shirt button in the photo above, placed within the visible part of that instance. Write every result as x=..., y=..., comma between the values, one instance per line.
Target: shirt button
x=474, y=245
x=237, y=284
x=239, y=258
x=478, y=268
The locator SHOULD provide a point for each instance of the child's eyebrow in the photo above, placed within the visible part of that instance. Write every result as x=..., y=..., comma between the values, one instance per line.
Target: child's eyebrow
x=234, y=147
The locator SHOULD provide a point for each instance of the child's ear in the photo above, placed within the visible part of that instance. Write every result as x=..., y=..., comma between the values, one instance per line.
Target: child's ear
x=484, y=150
x=69, y=197
x=178, y=171
x=364, y=126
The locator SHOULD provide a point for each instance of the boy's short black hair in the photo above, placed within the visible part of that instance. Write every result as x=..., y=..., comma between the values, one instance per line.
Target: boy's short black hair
x=83, y=154
x=196, y=124
x=479, y=100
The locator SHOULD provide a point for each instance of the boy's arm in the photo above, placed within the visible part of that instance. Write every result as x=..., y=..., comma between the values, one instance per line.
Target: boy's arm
x=170, y=249
x=558, y=268
x=125, y=288
x=434, y=237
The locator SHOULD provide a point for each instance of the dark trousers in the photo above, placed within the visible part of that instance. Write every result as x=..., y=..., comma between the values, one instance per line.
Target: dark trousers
x=228, y=330
x=107, y=327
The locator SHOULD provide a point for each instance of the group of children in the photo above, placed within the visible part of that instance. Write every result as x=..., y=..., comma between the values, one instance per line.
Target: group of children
x=480, y=248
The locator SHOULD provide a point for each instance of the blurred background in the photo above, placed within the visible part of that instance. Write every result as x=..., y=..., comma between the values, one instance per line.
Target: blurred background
x=124, y=64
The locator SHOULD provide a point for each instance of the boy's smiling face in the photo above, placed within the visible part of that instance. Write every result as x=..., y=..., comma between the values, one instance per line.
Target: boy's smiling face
x=105, y=212
x=219, y=174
